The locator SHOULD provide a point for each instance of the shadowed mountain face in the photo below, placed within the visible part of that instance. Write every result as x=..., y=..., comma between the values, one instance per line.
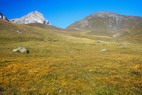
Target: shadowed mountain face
x=33, y=17
x=105, y=22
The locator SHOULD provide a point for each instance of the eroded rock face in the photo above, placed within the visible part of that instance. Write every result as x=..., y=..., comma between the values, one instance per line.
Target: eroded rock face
x=3, y=17
x=33, y=17
x=20, y=50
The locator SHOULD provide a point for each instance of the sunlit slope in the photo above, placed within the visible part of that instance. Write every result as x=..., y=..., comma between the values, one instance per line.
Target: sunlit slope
x=44, y=26
x=15, y=32
x=107, y=23
x=67, y=63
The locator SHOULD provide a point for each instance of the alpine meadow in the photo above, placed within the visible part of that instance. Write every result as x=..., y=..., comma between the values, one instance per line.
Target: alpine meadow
x=98, y=55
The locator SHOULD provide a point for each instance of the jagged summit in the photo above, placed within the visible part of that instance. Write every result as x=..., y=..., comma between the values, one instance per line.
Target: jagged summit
x=2, y=16
x=33, y=17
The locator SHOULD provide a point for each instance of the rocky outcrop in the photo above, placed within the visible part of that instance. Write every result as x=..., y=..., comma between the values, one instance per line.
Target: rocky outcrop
x=3, y=17
x=33, y=17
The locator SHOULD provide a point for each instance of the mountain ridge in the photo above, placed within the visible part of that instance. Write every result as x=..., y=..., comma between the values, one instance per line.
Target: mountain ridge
x=33, y=17
x=105, y=22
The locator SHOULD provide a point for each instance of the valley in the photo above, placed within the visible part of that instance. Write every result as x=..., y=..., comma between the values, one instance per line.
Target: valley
x=64, y=62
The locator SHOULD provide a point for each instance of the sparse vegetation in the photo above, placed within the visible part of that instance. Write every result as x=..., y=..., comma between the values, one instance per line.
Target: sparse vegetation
x=68, y=64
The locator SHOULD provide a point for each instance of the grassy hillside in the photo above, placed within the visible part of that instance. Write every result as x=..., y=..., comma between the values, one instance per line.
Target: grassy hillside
x=44, y=26
x=107, y=23
x=67, y=63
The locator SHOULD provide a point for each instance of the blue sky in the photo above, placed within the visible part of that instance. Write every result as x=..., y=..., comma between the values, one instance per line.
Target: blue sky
x=62, y=13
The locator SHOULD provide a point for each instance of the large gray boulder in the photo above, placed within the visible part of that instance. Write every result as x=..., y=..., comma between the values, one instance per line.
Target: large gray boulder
x=20, y=50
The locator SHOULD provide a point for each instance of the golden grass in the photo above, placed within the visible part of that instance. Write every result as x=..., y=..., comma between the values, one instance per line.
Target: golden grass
x=62, y=64
x=78, y=71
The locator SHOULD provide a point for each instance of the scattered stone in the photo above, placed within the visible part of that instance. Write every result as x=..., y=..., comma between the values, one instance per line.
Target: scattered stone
x=20, y=50
x=121, y=47
x=18, y=32
x=116, y=35
x=100, y=41
x=104, y=50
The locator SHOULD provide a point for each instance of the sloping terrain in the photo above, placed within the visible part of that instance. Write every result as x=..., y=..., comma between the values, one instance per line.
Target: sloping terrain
x=67, y=63
x=106, y=23
x=44, y=26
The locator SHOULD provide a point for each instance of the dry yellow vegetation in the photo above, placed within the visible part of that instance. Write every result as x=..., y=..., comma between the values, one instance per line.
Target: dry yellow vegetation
x=61, y=63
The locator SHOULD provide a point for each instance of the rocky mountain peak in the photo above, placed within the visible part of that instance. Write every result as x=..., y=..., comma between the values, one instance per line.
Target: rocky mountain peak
x=33, y=17
x=36, y=13
x=2, y=16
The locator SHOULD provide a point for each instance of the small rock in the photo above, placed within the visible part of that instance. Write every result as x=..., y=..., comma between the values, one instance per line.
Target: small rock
x=16, y=51
x=121, y=47
x=100, y=41
x=18, y=32
x=20, y=50
x=104, y=50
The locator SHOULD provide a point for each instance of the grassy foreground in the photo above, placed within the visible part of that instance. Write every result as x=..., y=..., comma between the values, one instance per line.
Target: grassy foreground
x=61, y=64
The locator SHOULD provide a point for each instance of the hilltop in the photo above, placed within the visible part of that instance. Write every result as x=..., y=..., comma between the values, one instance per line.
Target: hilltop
x=107, y=23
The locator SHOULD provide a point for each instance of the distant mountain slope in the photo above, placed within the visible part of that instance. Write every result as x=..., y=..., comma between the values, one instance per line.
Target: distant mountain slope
x=105, y=22
x=21, y=33
x=46, y=26
x=33, y=17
